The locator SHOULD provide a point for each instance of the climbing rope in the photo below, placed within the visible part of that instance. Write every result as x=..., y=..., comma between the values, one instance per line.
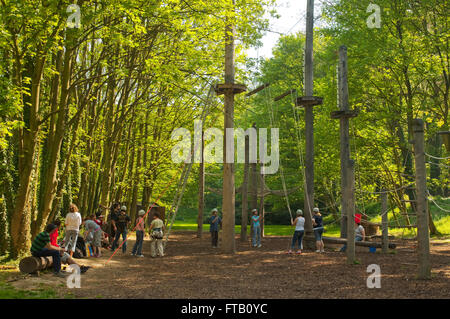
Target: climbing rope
x=272, y=120
x=438, y=158
x=434, y=202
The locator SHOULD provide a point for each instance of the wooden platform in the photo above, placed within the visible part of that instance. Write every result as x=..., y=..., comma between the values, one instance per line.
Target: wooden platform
x=237, y=88
x=309, y=100
x=345, y=114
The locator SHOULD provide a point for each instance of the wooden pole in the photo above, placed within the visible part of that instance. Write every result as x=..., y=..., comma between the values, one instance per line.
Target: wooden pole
x=228, y=203
x=344, y=131
x=349, y=197
x=384, y=223
x=201, y=190
x=309, y=119
x=261, y=202
x=423, y=235
x=244, y=218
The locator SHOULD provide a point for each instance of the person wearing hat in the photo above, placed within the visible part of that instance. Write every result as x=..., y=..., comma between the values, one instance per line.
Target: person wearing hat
x=121, y=222
x=140, y=231
x=299, y=223
x=214, y=222
x=256, y=229
x=318, y=230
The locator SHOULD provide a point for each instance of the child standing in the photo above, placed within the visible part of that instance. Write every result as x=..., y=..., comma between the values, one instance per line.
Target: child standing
x=156, y=232
x=140, y=228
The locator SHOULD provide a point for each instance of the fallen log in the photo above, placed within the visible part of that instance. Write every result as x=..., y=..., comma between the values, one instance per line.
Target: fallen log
x=31, y=264
x=335, y=240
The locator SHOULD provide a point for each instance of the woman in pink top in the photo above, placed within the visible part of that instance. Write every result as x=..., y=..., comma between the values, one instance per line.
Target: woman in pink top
x=140, y=230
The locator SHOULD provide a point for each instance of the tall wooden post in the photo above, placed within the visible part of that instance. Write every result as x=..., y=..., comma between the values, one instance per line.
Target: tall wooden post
x=261, y=202
x=384, y=223
x=244, y=216
x=229, y=89
x=309, y=101
x=254, y=181
x=349, y=198
x=423, y=235
x=201, y=190
x=347, y=165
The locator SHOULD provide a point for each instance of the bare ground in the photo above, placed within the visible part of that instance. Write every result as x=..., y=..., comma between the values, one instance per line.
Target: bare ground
x=192, y=269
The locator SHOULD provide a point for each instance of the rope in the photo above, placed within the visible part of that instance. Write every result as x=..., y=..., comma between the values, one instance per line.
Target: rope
x=300, y=153
x=431, y=198
x=437, y=164
x=389, y=190
x=187, y=169
x=438, y=158
x=272, y=120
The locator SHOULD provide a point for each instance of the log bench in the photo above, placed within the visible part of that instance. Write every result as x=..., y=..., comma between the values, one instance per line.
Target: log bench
x=32, y=264
x=335, y=240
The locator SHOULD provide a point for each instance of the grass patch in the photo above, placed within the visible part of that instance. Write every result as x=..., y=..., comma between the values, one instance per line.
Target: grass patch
x=9, y=292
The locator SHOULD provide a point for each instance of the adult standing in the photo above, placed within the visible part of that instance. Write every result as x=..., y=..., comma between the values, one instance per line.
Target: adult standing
x=299, y=223
x=214, y=222
x=156, y=233
x=93, y=230
x=73, y=222
x=140, y=230
x=318, y=230
x=121, y=223
x=111, y=227
x=256, y=229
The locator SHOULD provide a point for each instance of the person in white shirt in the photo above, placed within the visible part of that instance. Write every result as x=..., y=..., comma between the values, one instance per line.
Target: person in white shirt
x=299, y=223
x=73, y=222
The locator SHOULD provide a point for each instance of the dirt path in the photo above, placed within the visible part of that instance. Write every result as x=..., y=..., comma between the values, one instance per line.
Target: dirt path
x=192, y=269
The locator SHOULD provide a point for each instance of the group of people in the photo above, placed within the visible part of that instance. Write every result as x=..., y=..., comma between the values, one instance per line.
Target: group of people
x=97, y=234
x=119, y=224
x=46, y=242
x=298, y=222
x=215, y=221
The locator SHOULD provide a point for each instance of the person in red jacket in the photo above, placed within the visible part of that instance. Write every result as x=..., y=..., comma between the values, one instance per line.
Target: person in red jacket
x=54, y=235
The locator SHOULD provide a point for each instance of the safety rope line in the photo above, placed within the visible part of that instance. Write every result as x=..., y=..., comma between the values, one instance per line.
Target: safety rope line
x=438, y=164
x=438, y=158
x=187, y=168
x=300, y=150
x=272, y=121
x=431, y=198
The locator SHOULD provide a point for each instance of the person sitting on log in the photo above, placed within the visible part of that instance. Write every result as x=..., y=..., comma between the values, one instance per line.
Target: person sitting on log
x=360, y=234
x=42, y=247
x=65, y=257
